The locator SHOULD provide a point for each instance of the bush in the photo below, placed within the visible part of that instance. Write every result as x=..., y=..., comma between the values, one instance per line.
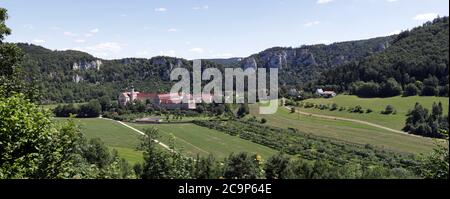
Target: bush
x=90, y=110
x=293, y=110
x=32, y=146
x=411, y=90
x=65, y=110
x=390, y=88
x=389, y=110
x=243, y=110
x=366, y=89
x=323, y=107
x=443, y=91
x=263, y=120
x=430, y=86
x=369, y=110
x=309, y=105
x=334, y=107
x=357, y=109
x=290, y=103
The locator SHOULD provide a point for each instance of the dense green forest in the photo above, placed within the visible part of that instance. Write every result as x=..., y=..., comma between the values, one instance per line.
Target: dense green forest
x=413, y=62
x=73, y=76
x=416, y=62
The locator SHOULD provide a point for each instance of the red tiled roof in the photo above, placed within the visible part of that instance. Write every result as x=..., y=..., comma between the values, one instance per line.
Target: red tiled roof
x=147, y=95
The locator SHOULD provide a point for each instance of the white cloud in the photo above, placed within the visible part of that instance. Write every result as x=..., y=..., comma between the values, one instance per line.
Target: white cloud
x=312, y=23
x=196, y=50
x=123, y=15
x=55, y=28
x=95, y=30
x=425, y=17
x=105, y=49
x=170, y=53
x=70, y=34
x=205, y=7
x=38, y=41
x=88, y=35
x=324, y=1
x=172, y=30
x=390, y=1
x=160, y=9
x=80, y=41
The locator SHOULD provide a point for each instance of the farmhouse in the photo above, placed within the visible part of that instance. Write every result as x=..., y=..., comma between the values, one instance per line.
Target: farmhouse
x=169, y=101
x=328, y=94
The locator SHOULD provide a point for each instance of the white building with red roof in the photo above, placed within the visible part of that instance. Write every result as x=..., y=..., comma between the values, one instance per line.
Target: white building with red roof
x=327, y=94
x=164, y=100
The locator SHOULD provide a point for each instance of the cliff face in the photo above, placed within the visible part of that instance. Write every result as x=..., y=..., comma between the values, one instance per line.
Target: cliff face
x=86, y=65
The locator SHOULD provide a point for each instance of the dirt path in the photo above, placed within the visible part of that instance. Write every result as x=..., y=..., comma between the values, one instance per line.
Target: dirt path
x=353, y=120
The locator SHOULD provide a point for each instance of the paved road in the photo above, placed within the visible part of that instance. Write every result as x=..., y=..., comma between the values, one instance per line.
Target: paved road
x=354, y=120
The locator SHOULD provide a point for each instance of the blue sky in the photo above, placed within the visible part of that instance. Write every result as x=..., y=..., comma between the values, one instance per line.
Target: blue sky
x=207, y=28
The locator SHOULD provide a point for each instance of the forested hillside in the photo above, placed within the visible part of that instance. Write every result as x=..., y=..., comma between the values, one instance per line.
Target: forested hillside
x=416, y=62
x=305, y=63
x=73, y=76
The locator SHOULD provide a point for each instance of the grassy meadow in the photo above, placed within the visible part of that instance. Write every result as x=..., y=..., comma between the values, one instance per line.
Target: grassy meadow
x=395, y=121
x=114, y=135
x=190, y=138
x=348, y=131
x=193, y=140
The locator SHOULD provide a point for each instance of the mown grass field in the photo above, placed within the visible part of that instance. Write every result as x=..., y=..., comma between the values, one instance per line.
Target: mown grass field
x=348, y=131
x=193, y=140
x=114, y=135
x=401, y=104
x=190, y=138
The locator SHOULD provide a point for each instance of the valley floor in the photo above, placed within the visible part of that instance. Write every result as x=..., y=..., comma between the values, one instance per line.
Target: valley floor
x=381, y=131
x=189, y=138
x=348, y=131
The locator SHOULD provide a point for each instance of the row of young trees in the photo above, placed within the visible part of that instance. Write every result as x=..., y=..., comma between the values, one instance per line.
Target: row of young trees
x=164, y=164
x=390, y=88
x=90, y=110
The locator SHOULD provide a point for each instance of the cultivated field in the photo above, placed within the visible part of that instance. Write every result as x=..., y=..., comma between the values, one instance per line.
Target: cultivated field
x=114, y=135
x=190, y=138
x=348, y=131
x=401, y=104
x=193, y=140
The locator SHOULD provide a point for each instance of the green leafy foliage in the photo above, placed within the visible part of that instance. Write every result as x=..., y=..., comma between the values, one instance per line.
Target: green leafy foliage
x=32, y=146
x=436, y=164
x=243, y=166
x=421, y=122
x=310, y=147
